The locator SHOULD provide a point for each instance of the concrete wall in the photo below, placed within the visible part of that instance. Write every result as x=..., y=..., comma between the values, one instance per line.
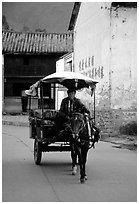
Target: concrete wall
x=14, y=105
x=123, y=58
x=105, y=49
x=91, y=48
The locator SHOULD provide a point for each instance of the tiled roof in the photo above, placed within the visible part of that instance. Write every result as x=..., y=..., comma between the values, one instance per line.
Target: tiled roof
x=18, y=42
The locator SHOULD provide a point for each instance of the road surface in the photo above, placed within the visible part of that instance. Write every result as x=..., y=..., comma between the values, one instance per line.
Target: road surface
x=112, y=173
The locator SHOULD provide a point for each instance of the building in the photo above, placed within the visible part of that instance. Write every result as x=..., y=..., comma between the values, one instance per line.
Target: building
x=64, y=63
x=105, y=48
x=27, y=57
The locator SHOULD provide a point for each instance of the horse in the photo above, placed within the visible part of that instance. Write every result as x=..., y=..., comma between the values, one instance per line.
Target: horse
x=82, y=134
x=81, y=142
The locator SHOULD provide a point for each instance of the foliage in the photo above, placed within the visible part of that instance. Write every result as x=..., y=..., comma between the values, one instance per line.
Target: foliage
x=25, y=29
x=129, y=128
x=40, y=30
x=5, y=24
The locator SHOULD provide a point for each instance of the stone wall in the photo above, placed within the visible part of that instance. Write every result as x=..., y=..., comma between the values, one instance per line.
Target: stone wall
x=110, y=122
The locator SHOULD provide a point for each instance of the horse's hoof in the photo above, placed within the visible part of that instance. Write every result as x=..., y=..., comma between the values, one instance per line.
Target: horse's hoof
x=74, y=170
x=82, y=180
x=85, y=177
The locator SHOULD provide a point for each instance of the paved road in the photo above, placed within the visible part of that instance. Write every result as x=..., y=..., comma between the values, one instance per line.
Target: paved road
x=112, y=173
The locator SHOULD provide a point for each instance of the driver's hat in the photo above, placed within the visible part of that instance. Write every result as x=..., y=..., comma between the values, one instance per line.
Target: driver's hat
x=71, y=90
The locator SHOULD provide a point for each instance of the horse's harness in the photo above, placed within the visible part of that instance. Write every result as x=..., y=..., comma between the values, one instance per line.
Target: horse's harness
x=77, y=118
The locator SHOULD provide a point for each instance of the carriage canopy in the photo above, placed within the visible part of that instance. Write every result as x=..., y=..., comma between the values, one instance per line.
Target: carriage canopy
x=70, y=80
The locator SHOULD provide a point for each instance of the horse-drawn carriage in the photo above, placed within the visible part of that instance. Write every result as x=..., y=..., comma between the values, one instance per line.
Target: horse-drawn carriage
x=42, y=120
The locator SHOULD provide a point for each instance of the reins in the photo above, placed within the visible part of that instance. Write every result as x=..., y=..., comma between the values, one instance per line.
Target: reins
x=83, y=125
x=79, y=117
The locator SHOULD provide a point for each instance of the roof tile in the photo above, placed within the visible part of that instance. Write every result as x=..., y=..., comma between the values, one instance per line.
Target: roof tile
x=18, y=42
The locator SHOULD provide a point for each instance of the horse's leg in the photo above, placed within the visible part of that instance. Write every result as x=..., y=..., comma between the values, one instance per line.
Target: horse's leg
x=79, y=153
x=84, y=151
x=74, y=158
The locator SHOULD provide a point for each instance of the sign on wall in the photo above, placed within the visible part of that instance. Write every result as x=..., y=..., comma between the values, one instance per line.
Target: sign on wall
x=86, y=67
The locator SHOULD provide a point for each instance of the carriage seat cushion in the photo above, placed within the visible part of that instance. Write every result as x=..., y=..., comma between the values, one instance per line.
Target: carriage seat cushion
x=50, y=114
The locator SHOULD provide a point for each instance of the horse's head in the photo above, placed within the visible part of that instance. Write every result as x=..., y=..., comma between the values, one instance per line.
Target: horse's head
x=77, y=125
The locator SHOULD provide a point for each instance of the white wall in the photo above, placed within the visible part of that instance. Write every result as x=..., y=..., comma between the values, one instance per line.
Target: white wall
x=124, y=58
x=109, y=38
x=60, y=65
x=92, y=43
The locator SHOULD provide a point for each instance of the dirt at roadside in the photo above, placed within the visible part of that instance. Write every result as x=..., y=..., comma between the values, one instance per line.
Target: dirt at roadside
x=123, y=141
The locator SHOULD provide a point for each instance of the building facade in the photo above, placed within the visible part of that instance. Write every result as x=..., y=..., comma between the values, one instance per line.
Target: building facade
x=105, y=48
x=27, y=57
x=63, y=64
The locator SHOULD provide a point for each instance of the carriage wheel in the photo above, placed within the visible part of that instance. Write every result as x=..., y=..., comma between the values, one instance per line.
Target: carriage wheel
x=37, y=152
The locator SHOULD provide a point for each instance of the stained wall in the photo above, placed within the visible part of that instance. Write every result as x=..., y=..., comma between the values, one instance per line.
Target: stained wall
x=105, y=49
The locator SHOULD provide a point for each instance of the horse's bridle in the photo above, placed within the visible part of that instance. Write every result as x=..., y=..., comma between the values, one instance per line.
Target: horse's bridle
x=77, y=116
x=75, y=135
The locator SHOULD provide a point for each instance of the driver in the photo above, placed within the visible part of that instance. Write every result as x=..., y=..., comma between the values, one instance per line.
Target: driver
x=71, y=104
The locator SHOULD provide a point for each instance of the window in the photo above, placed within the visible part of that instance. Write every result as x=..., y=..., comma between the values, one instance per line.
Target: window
x=68, y=66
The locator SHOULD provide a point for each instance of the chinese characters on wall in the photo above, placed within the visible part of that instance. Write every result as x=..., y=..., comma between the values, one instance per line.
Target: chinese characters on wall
x=86, y=67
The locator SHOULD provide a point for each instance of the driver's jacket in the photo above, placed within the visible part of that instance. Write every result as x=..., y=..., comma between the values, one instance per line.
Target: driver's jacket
x=71, y=106
x=67, y=108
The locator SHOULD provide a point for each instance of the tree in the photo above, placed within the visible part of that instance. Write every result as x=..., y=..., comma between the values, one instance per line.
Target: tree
x=25, y=29
x=40, y=30
x=5, y=25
